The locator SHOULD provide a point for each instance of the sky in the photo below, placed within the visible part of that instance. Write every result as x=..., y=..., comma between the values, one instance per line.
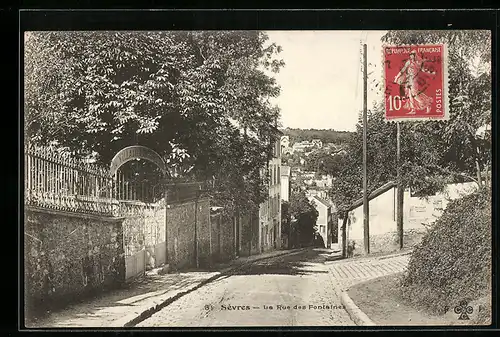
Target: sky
x=321, y=82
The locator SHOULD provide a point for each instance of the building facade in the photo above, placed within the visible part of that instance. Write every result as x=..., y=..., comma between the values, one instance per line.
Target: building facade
x=317, y=143
x=325, y=221
x=418, y=214
x=270, y=210
x=302, y=146
x=285, y=183
x=285, y=142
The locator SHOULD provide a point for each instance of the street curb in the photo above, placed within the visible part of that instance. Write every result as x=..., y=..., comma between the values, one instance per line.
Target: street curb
x=395, y=255
x=134, y=319
x=358, y=316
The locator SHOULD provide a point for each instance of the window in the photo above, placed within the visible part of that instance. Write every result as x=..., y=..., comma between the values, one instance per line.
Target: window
x=322, y=228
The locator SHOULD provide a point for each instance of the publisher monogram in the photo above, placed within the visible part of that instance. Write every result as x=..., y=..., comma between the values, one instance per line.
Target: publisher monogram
x=464, y=310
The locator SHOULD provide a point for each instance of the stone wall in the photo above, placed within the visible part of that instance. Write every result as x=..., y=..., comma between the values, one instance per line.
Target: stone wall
x=249, y=244
x=181, y=220
x=227, y=239
x=388, y=242
x=223, y=238
x=69, y=256
x=144, y=228
x=203, y=232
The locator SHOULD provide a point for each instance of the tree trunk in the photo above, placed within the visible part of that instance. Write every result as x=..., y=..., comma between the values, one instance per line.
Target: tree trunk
x=344, y=235
x=478, y=168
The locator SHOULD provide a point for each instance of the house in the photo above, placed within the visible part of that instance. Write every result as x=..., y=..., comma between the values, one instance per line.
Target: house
x=285, y=145
x=285, y=183
x=418, y=214
x=317, y=143
x=285, y=142
x=260, y=230
x=339, y=152
x=325, y=223
x=270, y=210
x=316, y=191
x=302, y=146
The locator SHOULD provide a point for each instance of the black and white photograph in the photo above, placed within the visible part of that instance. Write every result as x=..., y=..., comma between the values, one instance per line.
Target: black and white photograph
x=257, y=178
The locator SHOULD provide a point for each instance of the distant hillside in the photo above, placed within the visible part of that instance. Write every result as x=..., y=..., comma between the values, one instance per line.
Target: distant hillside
x=326, y=136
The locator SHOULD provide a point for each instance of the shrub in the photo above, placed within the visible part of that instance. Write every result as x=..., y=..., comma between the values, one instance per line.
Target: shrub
x=453, y=260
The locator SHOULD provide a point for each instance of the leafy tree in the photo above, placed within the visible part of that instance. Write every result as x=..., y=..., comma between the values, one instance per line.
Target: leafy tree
x=186, y=95
x=291, y=159
x=469, y=60
x=304, y=216
x=432, y=153
x=323, y=162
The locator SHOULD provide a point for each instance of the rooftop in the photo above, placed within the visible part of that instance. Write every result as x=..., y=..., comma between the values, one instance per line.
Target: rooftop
x=322, y=201
x=381, y=190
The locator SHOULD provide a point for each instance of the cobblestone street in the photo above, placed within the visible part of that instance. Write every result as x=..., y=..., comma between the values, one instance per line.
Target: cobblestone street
x=349, y=272
x=295, y=290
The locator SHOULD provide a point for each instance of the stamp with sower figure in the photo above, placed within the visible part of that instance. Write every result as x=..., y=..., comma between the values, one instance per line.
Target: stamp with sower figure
x=415, y=82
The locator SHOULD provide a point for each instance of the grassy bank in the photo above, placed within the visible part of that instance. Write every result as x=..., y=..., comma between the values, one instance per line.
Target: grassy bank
x=382, y=301
x=453, y=261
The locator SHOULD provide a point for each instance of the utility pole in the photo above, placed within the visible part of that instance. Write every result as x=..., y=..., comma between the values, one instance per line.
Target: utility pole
x=167, y=261
x=196, y=245
x=365, y=183
x=400, y=190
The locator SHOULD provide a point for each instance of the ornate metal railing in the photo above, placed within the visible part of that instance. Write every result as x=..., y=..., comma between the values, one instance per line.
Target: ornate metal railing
x=55, y=180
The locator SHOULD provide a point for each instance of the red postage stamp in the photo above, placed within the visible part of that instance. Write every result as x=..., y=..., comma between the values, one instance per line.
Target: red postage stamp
x=415, y=82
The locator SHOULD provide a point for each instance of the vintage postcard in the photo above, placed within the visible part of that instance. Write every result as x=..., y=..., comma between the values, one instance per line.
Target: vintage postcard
x=257, y=178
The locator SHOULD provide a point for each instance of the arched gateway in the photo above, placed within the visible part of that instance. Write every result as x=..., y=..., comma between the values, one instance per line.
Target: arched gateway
x=136, y=152
x=150, y=237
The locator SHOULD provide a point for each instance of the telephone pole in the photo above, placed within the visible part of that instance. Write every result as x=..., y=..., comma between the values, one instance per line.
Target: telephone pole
x=400, y=190
x=366, y=223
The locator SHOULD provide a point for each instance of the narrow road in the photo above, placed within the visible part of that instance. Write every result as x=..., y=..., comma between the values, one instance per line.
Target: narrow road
x=295, y=290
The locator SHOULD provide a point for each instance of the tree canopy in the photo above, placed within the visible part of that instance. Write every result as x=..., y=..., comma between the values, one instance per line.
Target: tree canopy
x=432, y=153
x=305, y=215
x=326, y=136
x=186, y=95
x=324, y=162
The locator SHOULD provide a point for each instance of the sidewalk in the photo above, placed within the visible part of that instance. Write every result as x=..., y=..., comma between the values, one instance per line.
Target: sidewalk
x=126, y=306
x=348, y=272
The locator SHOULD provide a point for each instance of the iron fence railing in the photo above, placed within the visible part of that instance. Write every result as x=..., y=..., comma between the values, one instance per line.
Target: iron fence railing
x=55, y=180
